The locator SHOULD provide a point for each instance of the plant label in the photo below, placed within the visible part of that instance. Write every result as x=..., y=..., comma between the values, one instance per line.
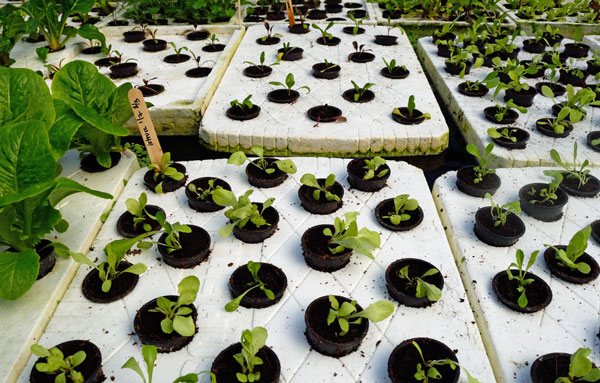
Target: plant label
x=144, y=123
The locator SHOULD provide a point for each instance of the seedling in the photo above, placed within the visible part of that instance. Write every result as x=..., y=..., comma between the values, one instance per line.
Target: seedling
x=57, y=364
x=262, y=65
x=137, y=208
x=310, y=180
x=411, y=108
x=198, y=60
x=391, y=26
x=153, y=34
x=270, y=33
x=147, y=85
x=427, y=371
x=177, y=316
x=577, y=245
x=115, y=252
x=372, y=166
x=581, y=368
x=239, y=158
x=242, y=210
x=391, y=65
x=194, y=377
x=502, y=110
x=149, y=354
x=357, y=23
x=501, y=212
x=252, y=342
x=402, y=205
x=558, y=124
x=178, y=50
x=52, y=69
x=287, y=48
x=576, y=102
x=460, y=57
x=446, y=28
x=347, y=236
x=548, y=193
x=596, y=142
x=172, y=240
x=203, y=194
x=359, y=50
x=506, y=133
x=165, y=170
x=347, y=313
x=324, y=34
x=212, y=41
x=328, y=65
x=245, y=105
x=289, y=84
x=360, y=91
x=422, y=289
x=253, y=268
x=582, y=174
x=523, y=282
x=484, y=161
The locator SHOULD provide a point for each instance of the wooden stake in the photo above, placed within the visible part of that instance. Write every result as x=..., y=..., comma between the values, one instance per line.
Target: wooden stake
x=144, y=122
x=290, y=11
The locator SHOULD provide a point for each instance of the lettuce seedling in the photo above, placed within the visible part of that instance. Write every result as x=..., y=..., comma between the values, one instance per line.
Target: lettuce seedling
x=423, y=289
x=194, y=377
x=178, y=50
x=245, y=105
x=253, y=268
x=520, y=256
x=357, y=23
x=310, y=180
x=252, y=342
x=577, y=245
x=261, y=59
x=581, y=174
x=580, y=368
x=427, y=371
x=347, y=313
x=93, y=109
x=149, y=353
x=506, y=133
x=402, y=204
x=242, y=210
x=239, y=158
x=501, y=212
x=372, y=165
x=347, y=236
x=391, y=65
x=484, y=161
x=203, y=194
x=289, y=84
x=115, y=252
x=360, y=91
x=137, y=208
x=411, y=107
x=324, y=34
x=57, y=364
x=548, y=193
x=178, y=317
x=502, y=110
x=165, y=170
x=13, y=27
x=173, y=231
x=270, y=33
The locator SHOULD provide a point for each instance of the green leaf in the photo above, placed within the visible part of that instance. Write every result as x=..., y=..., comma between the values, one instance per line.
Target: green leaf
x=40, y=351
x=18, y=272
x=167, y=326
x=188, y=289
x=92, y=117
x=184, y=326
x=138, y=269
x=77, y=358
x=237, y=158
x=66, y=186
x=80, y=258
x=286, y=166
x=63, y=130
x=309, y=179
x=377, y=311
x=223, y=197
x=132, y=364
x=149, y=352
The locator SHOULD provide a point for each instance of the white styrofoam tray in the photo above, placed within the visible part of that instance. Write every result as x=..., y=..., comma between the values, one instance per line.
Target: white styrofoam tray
x=514, y=340
x=285, y=129
x=111, y=326
x=179, y=108
x=468, y=113
x=24, y=320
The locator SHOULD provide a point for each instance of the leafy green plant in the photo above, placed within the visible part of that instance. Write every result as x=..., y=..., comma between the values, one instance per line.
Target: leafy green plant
x=576, y=102
x=568, y=257
x=239, y=158
x=178, y=50
x=140, y=153
x=30, y=190
x=549, y=193
x=177, y=316
x=484, y=160
x=402, y=205
x=580, y=368
x=347, y=313
x=372, y=165
x=310, y=180
x=289, y=84
x=347, y=236
x=245, y=105
x=115, y=252
x=50, y=18
x=94, y=110
x=137, y=208
x=520, y=277
x=558, y=124
x=262, y=65
x=427, y=370
x=422, y=289
x=324, y=34
x=502, y=110
x=252, y=342
x=490, y=81
x=506, y=133
x=194, y=377
x=164, y=171
x=461, y=57
x=357, y=23
x=253, y=268
x=270, y=33
x=411, y=107
x=241, y=210
x=59, y=365
x=203, y=194
x=391, y=65
x=149, y=354
x=359, y=50
x=172, y=240
x=13, y=27
x=581, y=173
x=359, y=91
x=501, y=212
